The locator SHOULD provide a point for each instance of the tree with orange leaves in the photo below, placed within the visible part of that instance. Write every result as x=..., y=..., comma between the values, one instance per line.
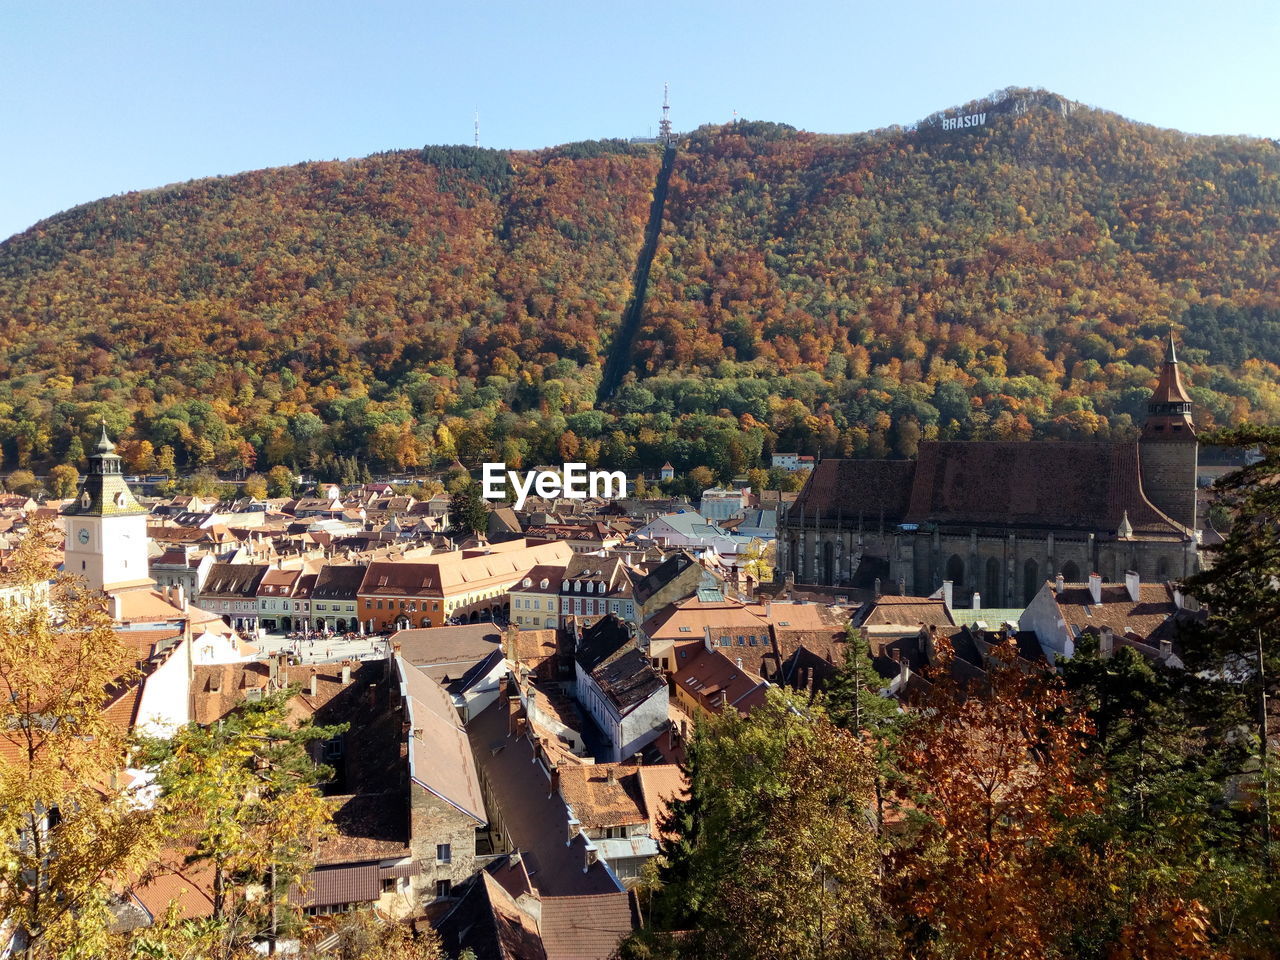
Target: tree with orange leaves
x=991, y=785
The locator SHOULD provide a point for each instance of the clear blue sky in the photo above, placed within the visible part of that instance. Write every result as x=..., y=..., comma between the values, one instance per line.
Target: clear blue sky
x=107, y=96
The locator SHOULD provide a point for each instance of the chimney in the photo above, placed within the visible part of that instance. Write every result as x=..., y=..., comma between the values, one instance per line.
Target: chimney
x=1133, y=583
x=904, y=673
x=739, y=663
x=117, y=608
x=895, y=654
x=611, y=775
x=1060, y=584
x=346, y=672
x=315, y=684
x=877, y=586
x=947, y=586
x=1095, y=588
x=1166, y=649
x=977, y=600
x=555, y=785
x=1106, y=642
x=706, y=637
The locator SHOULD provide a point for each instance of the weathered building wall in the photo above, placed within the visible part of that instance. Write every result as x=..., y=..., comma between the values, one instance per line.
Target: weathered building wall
x=433, y=821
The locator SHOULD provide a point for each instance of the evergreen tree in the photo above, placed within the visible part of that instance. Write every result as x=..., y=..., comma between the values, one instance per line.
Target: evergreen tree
x=1163, y=840
x=1239, y=641
x=468, y=509
x=854, y=702
x=773, y=855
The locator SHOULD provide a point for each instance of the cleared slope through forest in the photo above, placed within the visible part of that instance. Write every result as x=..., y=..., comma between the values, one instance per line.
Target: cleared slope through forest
x=619, y=360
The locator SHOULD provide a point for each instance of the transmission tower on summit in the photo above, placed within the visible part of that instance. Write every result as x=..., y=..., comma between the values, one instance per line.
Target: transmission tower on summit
x=664, y=125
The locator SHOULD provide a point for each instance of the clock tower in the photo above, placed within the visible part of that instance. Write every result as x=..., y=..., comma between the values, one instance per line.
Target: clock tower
x=106, y=526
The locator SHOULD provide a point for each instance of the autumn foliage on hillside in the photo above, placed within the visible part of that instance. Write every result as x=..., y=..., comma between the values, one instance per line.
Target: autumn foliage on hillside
x=849, y=294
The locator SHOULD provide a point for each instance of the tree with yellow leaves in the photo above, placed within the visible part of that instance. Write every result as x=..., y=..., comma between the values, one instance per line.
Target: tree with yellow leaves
x=244, y=793
x=67, y=823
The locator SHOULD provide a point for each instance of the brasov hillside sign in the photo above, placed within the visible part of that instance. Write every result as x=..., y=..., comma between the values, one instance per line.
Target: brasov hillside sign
x=965, y=120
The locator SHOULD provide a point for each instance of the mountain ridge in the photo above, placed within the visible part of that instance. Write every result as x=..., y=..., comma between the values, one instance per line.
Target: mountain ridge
x=1007, y=279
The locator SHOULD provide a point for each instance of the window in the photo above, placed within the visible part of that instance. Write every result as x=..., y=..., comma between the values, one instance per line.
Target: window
x=443, y=887
x=444, y=853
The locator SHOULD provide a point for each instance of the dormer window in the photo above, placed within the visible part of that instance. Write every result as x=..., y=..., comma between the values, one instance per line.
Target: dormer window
x=84, y=500
x=528, y=582
x=120, y=501
x=564, y=585
x=545, y=583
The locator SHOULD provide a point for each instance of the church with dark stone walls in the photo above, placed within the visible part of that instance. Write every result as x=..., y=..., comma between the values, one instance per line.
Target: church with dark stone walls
x=998, y=519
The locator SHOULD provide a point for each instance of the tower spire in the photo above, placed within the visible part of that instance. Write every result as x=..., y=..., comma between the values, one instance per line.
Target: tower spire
x=104, y=443
x=1171, y=355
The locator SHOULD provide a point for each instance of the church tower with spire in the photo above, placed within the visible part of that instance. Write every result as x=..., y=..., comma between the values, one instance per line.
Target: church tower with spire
x=106, y=526
x=1168, y=450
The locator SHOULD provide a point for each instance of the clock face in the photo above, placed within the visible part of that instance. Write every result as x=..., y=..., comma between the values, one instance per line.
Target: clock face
x=83, y=535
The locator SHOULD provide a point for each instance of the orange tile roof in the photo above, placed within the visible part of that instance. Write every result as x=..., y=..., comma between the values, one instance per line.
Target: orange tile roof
x=714, y=680
x=603, y=795
x=190, y=886
x=660, y=785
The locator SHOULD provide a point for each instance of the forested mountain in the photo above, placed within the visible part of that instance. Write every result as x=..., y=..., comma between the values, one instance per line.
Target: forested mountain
x=848, y=294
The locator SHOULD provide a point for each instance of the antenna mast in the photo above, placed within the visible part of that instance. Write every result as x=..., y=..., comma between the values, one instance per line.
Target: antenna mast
x=477, y=128
x=664, y=125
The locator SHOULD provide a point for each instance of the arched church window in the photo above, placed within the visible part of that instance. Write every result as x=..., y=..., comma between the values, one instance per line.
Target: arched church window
x=1071, y=572
x=1162, y=569
x=955, y=570
x=1030, y=580
x=991, y=595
